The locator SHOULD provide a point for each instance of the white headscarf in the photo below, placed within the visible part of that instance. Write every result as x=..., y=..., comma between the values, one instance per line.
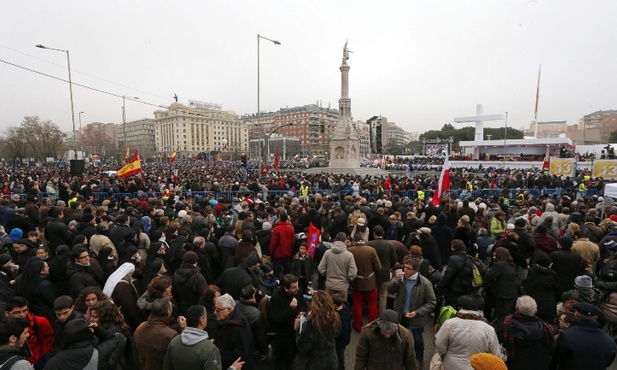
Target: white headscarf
x=118, y=275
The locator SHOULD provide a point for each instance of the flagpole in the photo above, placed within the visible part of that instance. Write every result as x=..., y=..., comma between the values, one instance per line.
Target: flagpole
x=505, y=137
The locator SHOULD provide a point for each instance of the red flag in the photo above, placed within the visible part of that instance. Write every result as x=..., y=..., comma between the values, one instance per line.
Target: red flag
x=135, y=156
x=313, y=239
x=276, y=160
x=444, y=183
x=545, y=164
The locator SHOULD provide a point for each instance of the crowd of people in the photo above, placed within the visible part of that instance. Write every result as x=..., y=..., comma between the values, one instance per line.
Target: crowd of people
x=206, y=265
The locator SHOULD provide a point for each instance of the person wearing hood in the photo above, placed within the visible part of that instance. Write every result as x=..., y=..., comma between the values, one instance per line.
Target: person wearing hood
x=193, y=349
x=549, y=211
x=339, y=267
x=542, y=285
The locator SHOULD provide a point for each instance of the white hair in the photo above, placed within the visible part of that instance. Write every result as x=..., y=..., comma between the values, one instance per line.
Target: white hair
x=227, y=301
x=526, y=305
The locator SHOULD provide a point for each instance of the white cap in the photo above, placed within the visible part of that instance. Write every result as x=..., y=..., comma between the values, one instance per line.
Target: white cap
x=182, y=214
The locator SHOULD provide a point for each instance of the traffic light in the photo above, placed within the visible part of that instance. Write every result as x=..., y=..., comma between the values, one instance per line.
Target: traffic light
x=244, y=160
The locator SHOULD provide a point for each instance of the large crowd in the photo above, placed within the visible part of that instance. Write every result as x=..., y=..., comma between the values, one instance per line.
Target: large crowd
x=208, y=265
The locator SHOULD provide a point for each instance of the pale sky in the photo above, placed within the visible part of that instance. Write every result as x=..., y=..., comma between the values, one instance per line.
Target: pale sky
x=419, y=63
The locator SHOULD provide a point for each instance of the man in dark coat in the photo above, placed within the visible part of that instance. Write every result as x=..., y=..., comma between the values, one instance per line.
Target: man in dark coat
x=119, y=233
x=451, y=285
x=584, y=345
x=286, y=303
x=567, y=264
x=527, y=338
x=56, y=233
x=233, y=336
x=247, y=307
x=233, y=279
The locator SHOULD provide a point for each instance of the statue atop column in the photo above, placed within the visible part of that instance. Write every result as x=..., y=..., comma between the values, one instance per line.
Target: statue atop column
x=346, y=53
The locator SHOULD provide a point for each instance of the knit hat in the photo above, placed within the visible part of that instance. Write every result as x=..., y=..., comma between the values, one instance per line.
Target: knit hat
x=87, y=217
x=266, y=226
x=182, y=214
x=190, y=258
x=4, y=259
x=388, y=321
x=361, y=221
x=73, y=223
x=510, y=227
x=16, y=233
x=565, y=242
x=543, y=261
x=487, y=361
x=583, y=281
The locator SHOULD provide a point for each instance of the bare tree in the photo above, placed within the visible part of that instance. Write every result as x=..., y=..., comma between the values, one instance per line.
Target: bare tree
x=44, y=138
x=13, y=145
x=96, y=140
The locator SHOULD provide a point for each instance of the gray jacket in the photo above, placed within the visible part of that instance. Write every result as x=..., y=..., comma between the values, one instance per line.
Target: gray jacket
x=338, y=266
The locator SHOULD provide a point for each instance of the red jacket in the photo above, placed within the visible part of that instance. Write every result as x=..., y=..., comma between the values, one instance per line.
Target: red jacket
x=282, y=241
x=41, y=340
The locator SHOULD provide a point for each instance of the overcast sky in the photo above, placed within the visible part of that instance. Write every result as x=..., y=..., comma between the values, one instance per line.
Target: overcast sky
x=419, y=63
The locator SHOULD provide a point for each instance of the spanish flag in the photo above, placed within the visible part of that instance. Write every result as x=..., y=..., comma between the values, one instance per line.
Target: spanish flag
x=130, y=169
x=172, y=159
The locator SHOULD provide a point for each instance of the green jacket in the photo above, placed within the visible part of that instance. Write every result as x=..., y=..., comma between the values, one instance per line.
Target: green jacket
x=423, y=299
x=192, y=350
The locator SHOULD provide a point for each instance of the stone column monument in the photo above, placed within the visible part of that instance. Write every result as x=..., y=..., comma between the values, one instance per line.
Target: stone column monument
x=345, y=144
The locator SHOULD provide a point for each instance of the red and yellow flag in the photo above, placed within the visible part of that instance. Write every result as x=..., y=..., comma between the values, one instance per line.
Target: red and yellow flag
x=172, y=159
x=130, y=169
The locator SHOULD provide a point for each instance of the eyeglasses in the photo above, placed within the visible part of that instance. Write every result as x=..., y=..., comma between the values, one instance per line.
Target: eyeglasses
x=19, y=313
x=219, y=309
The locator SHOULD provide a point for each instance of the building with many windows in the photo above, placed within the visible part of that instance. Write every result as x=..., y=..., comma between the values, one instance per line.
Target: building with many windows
x=198, y=128
x=312, y=124
x=139, y=136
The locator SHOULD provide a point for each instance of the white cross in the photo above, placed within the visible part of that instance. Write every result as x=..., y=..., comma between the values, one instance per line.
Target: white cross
x=479, y=119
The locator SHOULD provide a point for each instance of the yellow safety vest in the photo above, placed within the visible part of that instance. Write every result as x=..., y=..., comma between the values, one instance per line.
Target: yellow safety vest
x=421, y=194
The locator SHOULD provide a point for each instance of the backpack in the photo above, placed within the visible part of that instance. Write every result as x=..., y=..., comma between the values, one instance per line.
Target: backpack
x=472, y=275
x=445, y=313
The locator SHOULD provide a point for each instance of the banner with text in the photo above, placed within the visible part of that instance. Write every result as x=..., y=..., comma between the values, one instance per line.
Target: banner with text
x=606, y=169
x=563, y=167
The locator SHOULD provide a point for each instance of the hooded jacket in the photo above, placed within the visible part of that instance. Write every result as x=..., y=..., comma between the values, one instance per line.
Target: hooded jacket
x=338, y=266
x=191, y=350
x=375, y=352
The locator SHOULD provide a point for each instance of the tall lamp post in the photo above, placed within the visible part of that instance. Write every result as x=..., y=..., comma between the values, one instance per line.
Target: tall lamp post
x=275, y=42
x=68, y=62
x=267, y=139
x=124, y=146
x=81, y=135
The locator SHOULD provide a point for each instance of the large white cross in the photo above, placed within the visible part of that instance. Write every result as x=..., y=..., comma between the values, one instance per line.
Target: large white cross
x=479, y=119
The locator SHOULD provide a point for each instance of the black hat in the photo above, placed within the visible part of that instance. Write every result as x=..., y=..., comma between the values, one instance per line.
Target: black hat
x=87, y=217
x=4, y=259
x=565, y=242
x=190, y=258
x=587, y=311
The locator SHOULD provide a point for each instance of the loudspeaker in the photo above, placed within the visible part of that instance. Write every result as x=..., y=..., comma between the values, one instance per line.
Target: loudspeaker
x=77, y=167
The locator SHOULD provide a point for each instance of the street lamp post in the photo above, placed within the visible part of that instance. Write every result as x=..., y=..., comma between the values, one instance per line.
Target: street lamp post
x=81, y=135
x=124, y=145
x=275, y=42
x=68, y=62
x=267, y=138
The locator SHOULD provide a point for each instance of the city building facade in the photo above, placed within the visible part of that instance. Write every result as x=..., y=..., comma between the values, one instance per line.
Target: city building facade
x=199, y=128
x=311, y=124
x=140, y=135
